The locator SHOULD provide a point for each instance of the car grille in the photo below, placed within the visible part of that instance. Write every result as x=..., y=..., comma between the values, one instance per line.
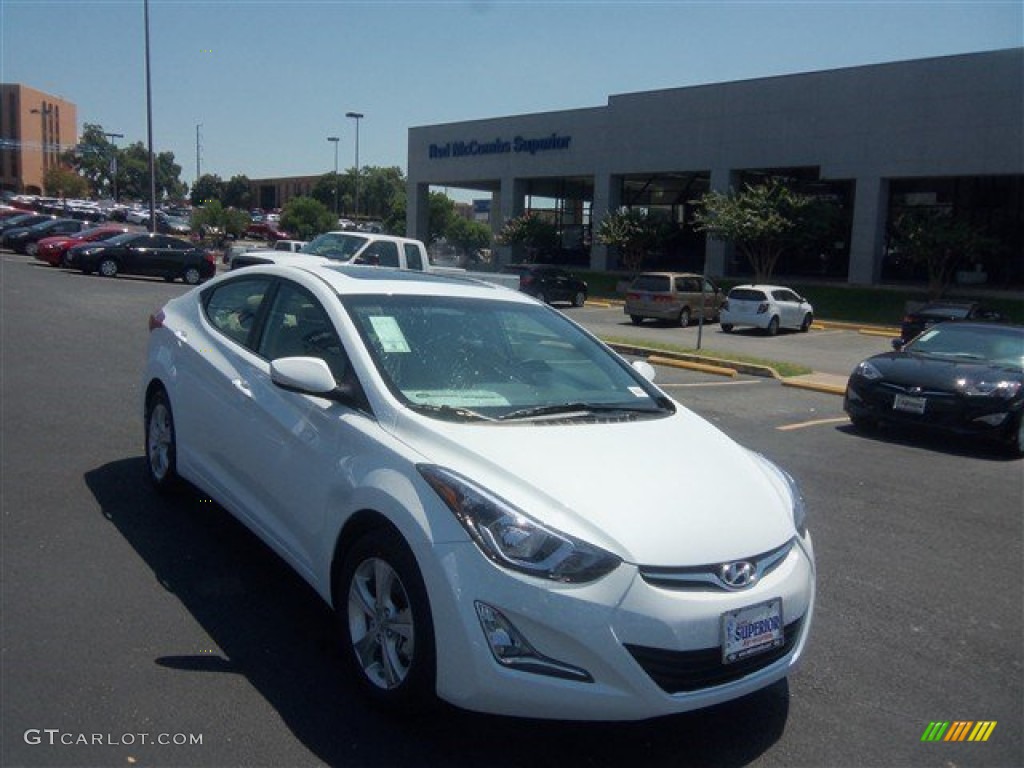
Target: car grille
x=710, y=576
x=688, y=671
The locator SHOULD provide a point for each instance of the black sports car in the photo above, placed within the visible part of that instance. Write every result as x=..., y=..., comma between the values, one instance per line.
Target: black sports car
x=965, y=378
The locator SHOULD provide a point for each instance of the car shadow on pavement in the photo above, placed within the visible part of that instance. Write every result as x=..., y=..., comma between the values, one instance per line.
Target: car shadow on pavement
x=951, y=445
x=271, y=627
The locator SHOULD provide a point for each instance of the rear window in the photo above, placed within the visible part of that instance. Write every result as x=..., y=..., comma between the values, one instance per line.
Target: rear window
x=746, y=294
x=651, y=283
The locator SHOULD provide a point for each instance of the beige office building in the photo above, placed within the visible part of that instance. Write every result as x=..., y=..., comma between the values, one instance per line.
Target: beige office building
x=35, y=128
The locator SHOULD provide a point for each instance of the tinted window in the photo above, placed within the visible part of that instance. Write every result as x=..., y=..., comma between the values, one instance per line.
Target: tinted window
x=785, y=296
x=383, y=253
x=651, y=283
x=231, y=307
x=746, y=294
x=298, y=326
x=412, y=256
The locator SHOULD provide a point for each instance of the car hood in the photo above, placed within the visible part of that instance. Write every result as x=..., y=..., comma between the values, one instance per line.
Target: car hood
x=670, y=491
x=910, y=369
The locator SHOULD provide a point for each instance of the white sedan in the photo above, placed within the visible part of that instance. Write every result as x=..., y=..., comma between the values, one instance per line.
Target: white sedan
x=768, y=307
x=448, y=464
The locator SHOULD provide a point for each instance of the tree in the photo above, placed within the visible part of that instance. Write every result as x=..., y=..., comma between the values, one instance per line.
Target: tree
x=331, y=184
x=939, y=240
x=133, y=174
x=215, y=221
x=237, y=193
x=441, y=213
x=61, y=181
x=468, y=236
x=762, y=221
x=535, y=233
x=207, y=188
x=633, y=231
x=93, y=159
x=306, y=218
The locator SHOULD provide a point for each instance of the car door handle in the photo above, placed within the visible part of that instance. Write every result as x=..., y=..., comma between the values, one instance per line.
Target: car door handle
x=242, y=386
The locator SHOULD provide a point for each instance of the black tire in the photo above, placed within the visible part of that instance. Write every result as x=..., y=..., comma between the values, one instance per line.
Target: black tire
x=191, y=276
x=805, y=326
x=726, y=327
x=863, y=423
x=1015, y=446
x=107, y=267
x=402, y=677
x=579, y=299
x=684, y=317
x=773, y=326
x=161, y=443
x=635, y=319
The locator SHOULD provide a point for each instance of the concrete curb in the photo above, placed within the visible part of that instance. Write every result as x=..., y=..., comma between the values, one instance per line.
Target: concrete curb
x=826, y=383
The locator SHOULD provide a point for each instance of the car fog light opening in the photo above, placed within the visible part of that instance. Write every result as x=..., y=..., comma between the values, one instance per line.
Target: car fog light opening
x=512, y=650
x=992, y=419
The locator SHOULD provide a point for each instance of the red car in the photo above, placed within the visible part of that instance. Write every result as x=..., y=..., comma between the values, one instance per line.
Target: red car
x=265, y=230
x=53, y=249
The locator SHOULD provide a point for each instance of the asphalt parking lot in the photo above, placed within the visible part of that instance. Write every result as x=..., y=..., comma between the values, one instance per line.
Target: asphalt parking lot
x=129, y=616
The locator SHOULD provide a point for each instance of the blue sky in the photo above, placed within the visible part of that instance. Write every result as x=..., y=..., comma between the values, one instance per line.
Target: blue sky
x=269, y=80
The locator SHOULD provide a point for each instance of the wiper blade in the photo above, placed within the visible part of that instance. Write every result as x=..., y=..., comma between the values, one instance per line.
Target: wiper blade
x=580, y=408
x=450, y=412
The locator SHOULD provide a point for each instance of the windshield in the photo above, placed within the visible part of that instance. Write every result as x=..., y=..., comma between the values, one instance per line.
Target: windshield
x=1001, y=346
x=340, y=246
x=477, y=359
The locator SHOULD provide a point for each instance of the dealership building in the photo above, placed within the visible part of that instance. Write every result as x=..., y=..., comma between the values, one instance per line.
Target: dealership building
x=943, y=133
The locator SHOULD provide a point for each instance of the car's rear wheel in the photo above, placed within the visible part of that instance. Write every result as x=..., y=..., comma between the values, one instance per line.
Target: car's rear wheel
x=385, y=622
x=161, y=442
x=191, y=276
x=684, y=317
x=773, y=326
x=579, y=299
x=805, y=326
x=31, y=249
x=635, y=319
x=108, y=268
x=727, y=327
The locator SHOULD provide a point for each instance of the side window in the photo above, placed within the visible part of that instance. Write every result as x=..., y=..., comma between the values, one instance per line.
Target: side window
x=709, y=287
x=383, y=253
x=232, y=307
x=298, y=326
x=412, y=256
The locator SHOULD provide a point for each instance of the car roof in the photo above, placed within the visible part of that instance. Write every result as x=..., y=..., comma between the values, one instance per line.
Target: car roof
x=669, y=274
x=763, y=287
x=349, y=279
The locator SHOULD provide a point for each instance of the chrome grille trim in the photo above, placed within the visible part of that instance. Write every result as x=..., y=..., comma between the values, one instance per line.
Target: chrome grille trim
x=707, y=576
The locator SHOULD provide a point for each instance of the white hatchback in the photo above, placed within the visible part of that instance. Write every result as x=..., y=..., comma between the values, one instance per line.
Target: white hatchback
x=432, y=455
x=768, y=307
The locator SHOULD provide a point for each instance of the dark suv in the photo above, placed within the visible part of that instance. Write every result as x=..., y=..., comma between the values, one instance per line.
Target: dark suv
x=549, y=284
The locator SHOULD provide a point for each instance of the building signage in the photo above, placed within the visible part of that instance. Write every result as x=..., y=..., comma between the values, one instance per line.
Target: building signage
x=499, y=146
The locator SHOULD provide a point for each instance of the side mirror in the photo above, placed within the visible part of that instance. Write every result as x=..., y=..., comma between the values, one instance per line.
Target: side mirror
x=898, y=344
x=309, y=375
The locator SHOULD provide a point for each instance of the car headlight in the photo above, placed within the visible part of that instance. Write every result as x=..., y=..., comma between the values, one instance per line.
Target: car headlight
x=91, y=251
x=1004, y=388
x=512, y=538
x=867, y=370
x=799, y=506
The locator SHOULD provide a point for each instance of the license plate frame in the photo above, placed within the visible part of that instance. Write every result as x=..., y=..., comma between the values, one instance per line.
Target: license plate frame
x=742, y=637
x=910, y=404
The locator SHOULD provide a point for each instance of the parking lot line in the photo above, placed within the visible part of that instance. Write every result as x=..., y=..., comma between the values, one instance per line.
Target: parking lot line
x=813, y=423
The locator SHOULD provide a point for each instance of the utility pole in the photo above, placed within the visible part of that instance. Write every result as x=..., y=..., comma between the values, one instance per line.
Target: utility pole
x=198, y=174
x=357, y=116
x=113, y=160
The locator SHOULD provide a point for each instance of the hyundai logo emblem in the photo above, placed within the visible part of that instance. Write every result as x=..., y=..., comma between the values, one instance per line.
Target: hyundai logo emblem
x=737, y=575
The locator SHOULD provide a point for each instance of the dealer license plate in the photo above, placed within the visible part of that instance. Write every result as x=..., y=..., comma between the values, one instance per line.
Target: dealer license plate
x=909, y=404
x=752, y=630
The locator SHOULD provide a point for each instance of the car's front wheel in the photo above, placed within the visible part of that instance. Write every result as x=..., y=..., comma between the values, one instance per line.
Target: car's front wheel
x=636, y=319
x=31, y=249
x=579, y=299
x=161, y=442
x=385, y=622
x=684, y=317
x=805, y=326
x=726, y=327
x=773, y=326
x=108, y=268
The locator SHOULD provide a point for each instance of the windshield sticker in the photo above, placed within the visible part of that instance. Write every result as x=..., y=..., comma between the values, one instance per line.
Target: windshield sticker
x=638, y=392
x=389, y=334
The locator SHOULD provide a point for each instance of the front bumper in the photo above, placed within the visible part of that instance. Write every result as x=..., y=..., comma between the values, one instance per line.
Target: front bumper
x=648, y=650
x=943, y=411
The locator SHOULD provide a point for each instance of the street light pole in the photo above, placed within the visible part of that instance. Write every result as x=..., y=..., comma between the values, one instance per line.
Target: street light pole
x=113, y=161
x=334, y=140
x=198, y=174
x=44, y=110
x=149, y=131
x=357, y=116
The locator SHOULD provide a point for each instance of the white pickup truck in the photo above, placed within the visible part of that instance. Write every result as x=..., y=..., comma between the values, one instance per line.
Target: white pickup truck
x=368, y=248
